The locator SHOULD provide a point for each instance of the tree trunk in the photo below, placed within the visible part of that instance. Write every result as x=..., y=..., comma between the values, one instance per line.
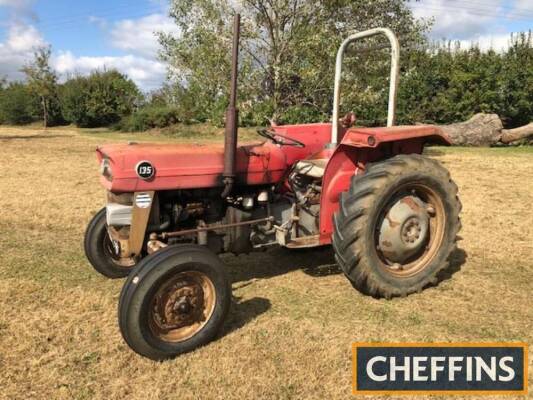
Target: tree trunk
x=512, y=135
x=484, y=130
x=480, y=130
x=45, y=112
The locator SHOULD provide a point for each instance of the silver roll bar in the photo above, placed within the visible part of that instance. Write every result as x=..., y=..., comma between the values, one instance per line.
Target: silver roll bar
x=394, y=73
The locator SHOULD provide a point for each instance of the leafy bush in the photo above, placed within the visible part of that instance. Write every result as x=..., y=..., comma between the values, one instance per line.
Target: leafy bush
x=516, y=82
x=148, y=118
x=449, y=84
x=302, y=114
x=100, y=99
x=17, y=105
x=256, y=113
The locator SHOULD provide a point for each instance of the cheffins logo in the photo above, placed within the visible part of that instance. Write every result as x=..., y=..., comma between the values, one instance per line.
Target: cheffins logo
x=440, y=368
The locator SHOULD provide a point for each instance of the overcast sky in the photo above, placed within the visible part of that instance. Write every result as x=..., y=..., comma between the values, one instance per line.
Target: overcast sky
x=119, y=34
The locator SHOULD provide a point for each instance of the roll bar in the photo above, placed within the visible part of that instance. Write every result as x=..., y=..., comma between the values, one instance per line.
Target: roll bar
x=394, y=73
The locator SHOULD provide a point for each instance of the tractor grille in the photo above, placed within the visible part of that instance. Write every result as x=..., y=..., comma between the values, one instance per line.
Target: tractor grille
x=118, y=214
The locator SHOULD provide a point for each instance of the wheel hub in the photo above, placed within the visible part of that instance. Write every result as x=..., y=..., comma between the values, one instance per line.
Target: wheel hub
x=404, y=230
x=183, y=306
x=411, y=230
x=180, y=305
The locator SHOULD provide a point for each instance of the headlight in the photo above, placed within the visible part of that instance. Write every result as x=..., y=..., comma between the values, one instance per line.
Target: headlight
x=105, y=169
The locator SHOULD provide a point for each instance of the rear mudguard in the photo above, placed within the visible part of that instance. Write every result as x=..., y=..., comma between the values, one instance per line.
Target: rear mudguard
x=361, y=146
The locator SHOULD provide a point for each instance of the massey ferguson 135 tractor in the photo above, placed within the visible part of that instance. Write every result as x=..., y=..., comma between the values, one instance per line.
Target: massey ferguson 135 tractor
x=390, y=214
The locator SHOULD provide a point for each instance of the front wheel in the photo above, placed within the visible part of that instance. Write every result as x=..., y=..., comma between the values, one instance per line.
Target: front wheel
x=397, y=225
x=100, y=251
x=174, y=301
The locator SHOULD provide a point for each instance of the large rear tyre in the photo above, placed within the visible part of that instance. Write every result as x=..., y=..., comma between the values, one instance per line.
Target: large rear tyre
x=99, y=249
x=397, y=225
x=174, y=301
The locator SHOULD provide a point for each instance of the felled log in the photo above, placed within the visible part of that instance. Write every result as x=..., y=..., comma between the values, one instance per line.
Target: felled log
x=485, y=130
x=480, y=130
x=512, y=135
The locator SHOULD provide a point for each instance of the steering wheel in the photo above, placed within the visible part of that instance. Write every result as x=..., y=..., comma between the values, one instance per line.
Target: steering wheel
x=280, y=139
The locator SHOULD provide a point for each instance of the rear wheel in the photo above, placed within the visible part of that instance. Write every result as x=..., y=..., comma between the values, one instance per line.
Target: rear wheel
x=100, y=251
x=174, y=301
x=397, y=226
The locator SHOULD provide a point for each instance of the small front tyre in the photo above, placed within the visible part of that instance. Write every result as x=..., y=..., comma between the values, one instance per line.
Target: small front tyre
x=174, y=301
x=100, y=252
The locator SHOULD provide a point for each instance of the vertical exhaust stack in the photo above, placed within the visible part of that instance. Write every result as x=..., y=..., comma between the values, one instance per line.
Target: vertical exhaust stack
x=232, y=115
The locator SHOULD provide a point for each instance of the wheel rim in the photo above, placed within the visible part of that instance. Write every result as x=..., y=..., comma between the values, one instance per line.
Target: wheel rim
x=182, y=306
x=111, y=253
x=409, y=230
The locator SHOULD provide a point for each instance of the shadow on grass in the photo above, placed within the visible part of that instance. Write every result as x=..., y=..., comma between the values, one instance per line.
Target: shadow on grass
x=457, y=260
x=315, y=262
x=243, y=312
x=244, y=270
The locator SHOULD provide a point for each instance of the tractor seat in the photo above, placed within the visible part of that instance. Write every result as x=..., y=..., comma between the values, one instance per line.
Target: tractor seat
x=314, y=167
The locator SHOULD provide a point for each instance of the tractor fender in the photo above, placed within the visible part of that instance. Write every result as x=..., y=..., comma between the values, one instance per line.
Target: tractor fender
x=375, y=137
x=360, y=146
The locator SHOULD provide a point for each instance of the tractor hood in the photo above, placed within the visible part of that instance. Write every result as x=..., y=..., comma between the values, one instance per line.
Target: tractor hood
x=185, y=166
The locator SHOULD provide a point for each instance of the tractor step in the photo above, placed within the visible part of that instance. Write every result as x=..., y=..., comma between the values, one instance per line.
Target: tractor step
x=303, y=242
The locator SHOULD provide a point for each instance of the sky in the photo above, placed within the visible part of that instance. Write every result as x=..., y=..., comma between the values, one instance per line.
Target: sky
x=96, y=34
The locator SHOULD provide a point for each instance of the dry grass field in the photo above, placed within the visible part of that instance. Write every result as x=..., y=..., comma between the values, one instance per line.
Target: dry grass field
x=293, y=315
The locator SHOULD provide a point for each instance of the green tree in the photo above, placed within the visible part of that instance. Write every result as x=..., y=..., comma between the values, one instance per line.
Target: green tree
x=288, y=52
x=100, y=99
x=42, y=82
x=18, y=106
x=516, y=81
x=446, y=83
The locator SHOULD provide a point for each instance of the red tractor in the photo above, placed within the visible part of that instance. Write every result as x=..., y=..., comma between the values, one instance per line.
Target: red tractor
x=390, y=214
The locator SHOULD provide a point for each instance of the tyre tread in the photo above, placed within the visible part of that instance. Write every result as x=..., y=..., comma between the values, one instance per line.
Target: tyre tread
x=353, y=216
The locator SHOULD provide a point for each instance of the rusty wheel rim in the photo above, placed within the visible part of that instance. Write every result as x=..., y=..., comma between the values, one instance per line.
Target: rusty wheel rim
x=410, y=230
x=182, y=306
x=126, y=263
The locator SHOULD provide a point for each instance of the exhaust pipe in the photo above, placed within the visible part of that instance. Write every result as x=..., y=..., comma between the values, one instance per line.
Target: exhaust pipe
x=232, y=115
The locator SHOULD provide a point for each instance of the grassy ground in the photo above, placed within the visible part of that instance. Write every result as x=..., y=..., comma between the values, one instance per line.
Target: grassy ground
x=293, y=316
x=189, y=133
